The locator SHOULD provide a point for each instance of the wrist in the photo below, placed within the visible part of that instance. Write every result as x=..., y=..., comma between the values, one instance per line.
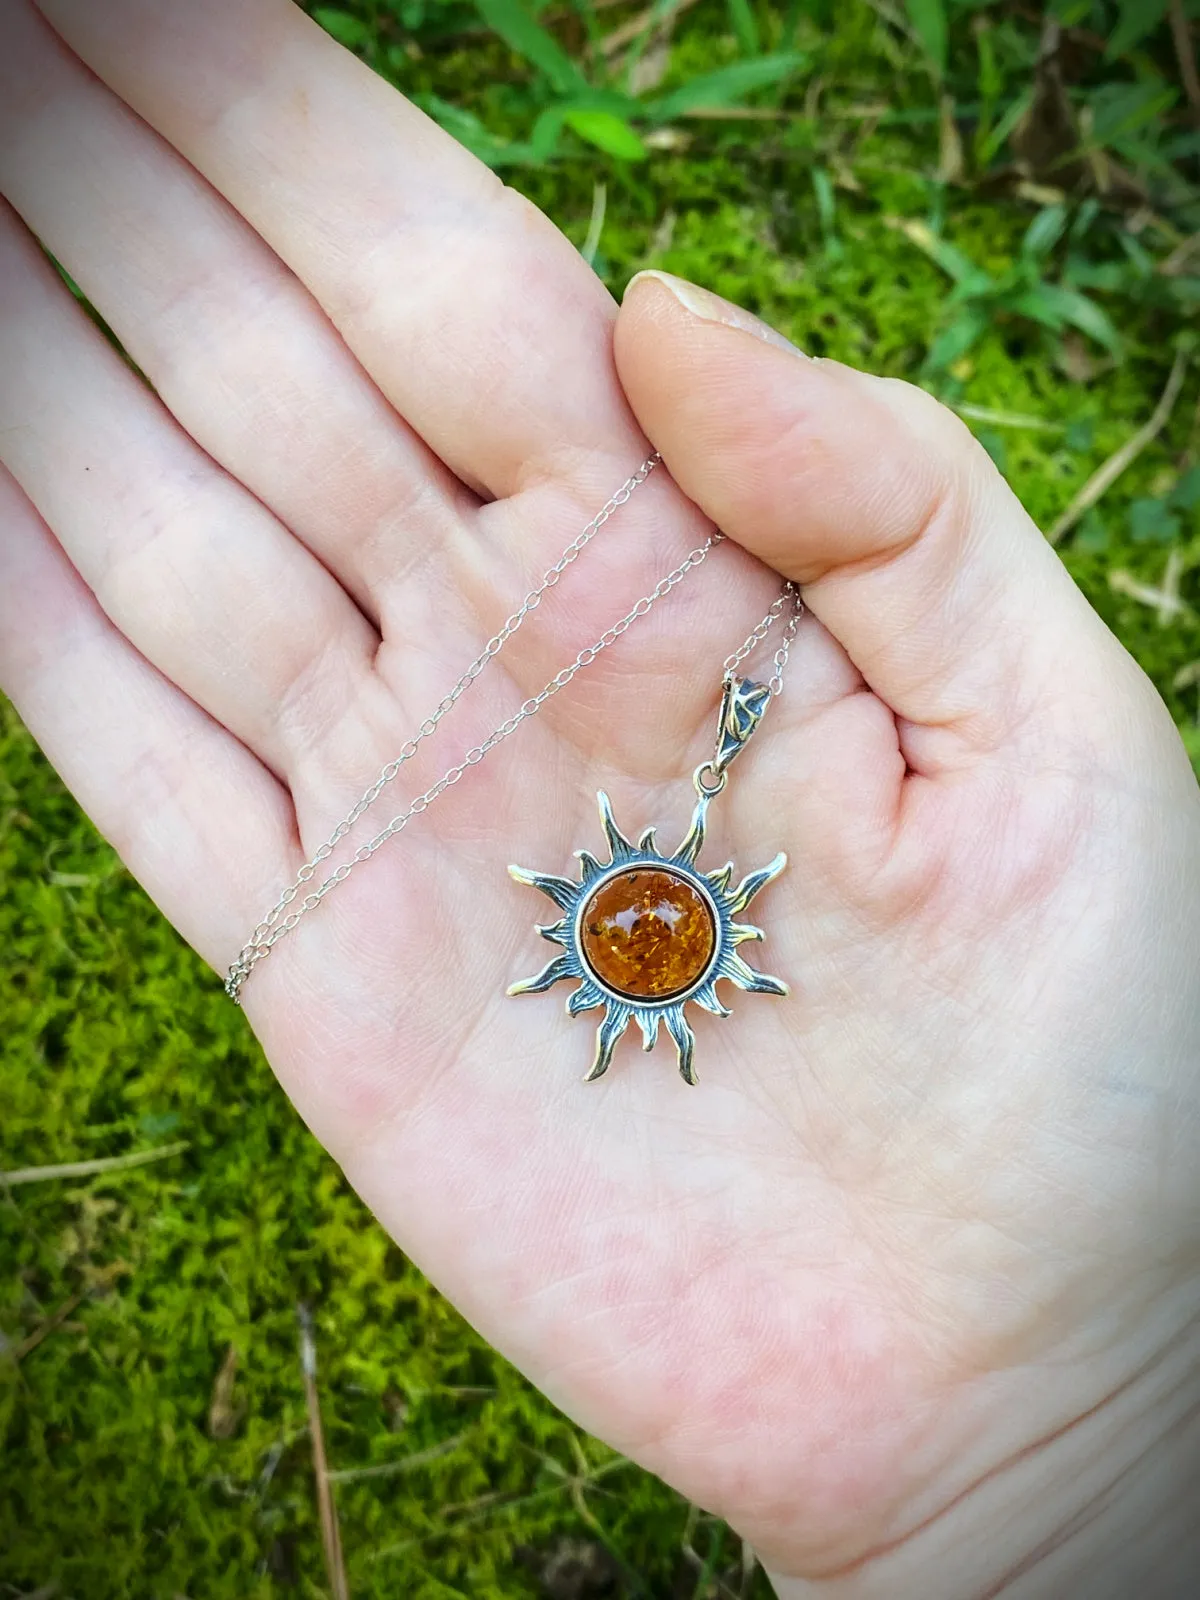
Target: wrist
x=1104, y=1506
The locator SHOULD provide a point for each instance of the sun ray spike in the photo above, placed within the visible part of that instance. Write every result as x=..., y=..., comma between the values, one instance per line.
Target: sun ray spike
x=589, y=867
x=562, y=891
x=586, y=998
x=709, y=1000
x=560, y=967
x=721, y=877
x=750, y=885
x=648, y=1021
x=646, y=842
x=617, y=842
x=556, y=932
x=685, y=1041
x=693, y=840
x=740, y=932
x=747, y=978
x=616, y=1020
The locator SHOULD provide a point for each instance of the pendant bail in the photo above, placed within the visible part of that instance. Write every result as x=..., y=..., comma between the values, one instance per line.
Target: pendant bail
x=742, y=706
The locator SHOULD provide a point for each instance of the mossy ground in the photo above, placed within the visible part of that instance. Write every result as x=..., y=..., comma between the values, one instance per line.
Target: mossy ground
x=130, y=1468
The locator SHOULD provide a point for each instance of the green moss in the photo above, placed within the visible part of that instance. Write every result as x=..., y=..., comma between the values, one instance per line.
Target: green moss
x=112, y=1483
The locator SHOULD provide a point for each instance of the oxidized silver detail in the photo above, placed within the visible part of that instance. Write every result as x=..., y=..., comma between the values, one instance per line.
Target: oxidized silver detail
x=742, y=706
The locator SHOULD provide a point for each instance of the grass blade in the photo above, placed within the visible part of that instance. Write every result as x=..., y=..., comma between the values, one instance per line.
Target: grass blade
x=529, y=39
x=725, y=87
x=928, y=19
x=1044, y=232
x=611, y=134
x=943, y=254
x=953, y=342
x=745, y=26
x=347, y=29
x=1075, y=309
x=1135, y=20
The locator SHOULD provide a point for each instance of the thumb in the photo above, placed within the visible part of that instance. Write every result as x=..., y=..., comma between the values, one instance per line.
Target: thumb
x=911, y=548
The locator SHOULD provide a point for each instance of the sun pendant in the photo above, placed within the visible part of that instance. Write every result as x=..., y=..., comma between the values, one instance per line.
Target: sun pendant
x=644, y=933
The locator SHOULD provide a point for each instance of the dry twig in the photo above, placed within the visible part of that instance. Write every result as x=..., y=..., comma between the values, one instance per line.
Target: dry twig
x=408, y=1463
x=1181, y=35
x=739, y=114
x=626, y=32
x=1102, y=480
x=503, y=1502
x=223, y=1414
x=1180, y=259
x=331, y=1538
x=89, y=1169
x=1165, y=600
x=44, y=1329
x=1008, y=419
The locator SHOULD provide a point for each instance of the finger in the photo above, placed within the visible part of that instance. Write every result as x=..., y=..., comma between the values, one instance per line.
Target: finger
x=832, y=757
x=911, y=548
x=819, y=673
x=232, y=342
x=192, y=569
x=476, y=317
x=197, y=820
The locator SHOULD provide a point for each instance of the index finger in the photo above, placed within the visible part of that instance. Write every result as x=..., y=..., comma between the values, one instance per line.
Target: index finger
x=473, y=313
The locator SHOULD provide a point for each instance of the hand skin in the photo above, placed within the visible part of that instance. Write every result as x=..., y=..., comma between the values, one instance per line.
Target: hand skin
x=907, y=1287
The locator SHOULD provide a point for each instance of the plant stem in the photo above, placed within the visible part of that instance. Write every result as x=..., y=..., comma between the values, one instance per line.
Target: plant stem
x=89, y=1169
x=331, y=1538
x=1104, y=477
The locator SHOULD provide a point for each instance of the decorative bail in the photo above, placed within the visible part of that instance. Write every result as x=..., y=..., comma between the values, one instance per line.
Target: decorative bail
x=742, y=707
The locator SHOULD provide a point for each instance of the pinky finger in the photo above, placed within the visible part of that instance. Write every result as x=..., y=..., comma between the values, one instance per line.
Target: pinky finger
x=203, y=826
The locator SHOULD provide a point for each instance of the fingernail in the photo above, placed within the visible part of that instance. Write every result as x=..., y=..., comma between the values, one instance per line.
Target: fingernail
x=711, y=308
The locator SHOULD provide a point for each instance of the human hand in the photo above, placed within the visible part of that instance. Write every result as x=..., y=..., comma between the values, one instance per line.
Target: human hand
x=908, y=1283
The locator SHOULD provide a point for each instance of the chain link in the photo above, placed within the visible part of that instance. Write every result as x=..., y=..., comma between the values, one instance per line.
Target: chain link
x=275, y=925
x=267, y=932
x=789, y=600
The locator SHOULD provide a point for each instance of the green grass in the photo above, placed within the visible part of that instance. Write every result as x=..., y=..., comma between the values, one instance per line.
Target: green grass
x=127, y=1468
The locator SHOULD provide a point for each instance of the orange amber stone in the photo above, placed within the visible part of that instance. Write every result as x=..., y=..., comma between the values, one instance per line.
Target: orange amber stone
x=648, y=934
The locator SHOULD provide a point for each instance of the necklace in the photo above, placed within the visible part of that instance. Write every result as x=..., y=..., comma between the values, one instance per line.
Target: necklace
x=644, y=933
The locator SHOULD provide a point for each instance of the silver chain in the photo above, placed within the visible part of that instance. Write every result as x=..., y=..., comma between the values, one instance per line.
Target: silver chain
x=789, y=600
x=275, y=925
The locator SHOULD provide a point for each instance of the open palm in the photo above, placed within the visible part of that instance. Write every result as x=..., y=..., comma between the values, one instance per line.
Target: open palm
x=917, y=1246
